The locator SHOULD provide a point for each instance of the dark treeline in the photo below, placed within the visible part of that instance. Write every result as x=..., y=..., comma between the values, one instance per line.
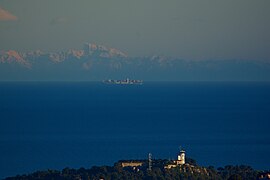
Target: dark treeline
x=188, y=171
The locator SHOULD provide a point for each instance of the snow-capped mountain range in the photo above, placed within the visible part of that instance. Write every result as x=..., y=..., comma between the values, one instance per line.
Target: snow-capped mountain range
x=97, y=62
x=89, y=51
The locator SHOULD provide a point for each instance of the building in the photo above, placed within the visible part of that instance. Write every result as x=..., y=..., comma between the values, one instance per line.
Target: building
x=180, y=160
x=131, y=164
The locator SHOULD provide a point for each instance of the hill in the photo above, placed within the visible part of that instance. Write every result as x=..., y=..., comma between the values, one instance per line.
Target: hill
x=190, y=170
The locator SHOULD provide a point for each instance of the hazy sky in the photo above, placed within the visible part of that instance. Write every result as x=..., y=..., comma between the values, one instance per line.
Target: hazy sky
x=190, y=29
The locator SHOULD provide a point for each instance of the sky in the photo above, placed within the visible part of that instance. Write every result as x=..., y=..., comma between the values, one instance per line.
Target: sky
x=188, y=29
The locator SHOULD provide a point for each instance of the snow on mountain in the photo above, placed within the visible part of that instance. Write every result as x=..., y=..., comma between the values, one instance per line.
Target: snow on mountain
x=90, y=51
x=102, y=51
x=98, y=62
x=11, y=56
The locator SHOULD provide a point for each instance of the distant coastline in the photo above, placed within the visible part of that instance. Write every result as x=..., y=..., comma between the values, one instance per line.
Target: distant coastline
x=124, y=81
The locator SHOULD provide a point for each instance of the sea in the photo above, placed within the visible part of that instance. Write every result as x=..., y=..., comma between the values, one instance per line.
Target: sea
x=53, y=125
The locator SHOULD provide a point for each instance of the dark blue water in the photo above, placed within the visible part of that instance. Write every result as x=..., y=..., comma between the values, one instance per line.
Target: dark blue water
x=57, y=125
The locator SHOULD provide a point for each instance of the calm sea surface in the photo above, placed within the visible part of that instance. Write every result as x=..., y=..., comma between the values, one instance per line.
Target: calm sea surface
x=61, y=124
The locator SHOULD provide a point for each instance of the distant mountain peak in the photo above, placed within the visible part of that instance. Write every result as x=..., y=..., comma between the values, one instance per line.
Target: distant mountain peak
x=91, y=49
x=76, y=53
x=13, y=56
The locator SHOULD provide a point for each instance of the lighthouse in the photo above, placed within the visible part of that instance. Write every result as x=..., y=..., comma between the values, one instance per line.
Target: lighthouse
x=179, y=162
x=181, y=157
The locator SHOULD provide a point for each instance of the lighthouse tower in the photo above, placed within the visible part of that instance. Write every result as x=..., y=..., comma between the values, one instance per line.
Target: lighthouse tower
x=181, y=158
